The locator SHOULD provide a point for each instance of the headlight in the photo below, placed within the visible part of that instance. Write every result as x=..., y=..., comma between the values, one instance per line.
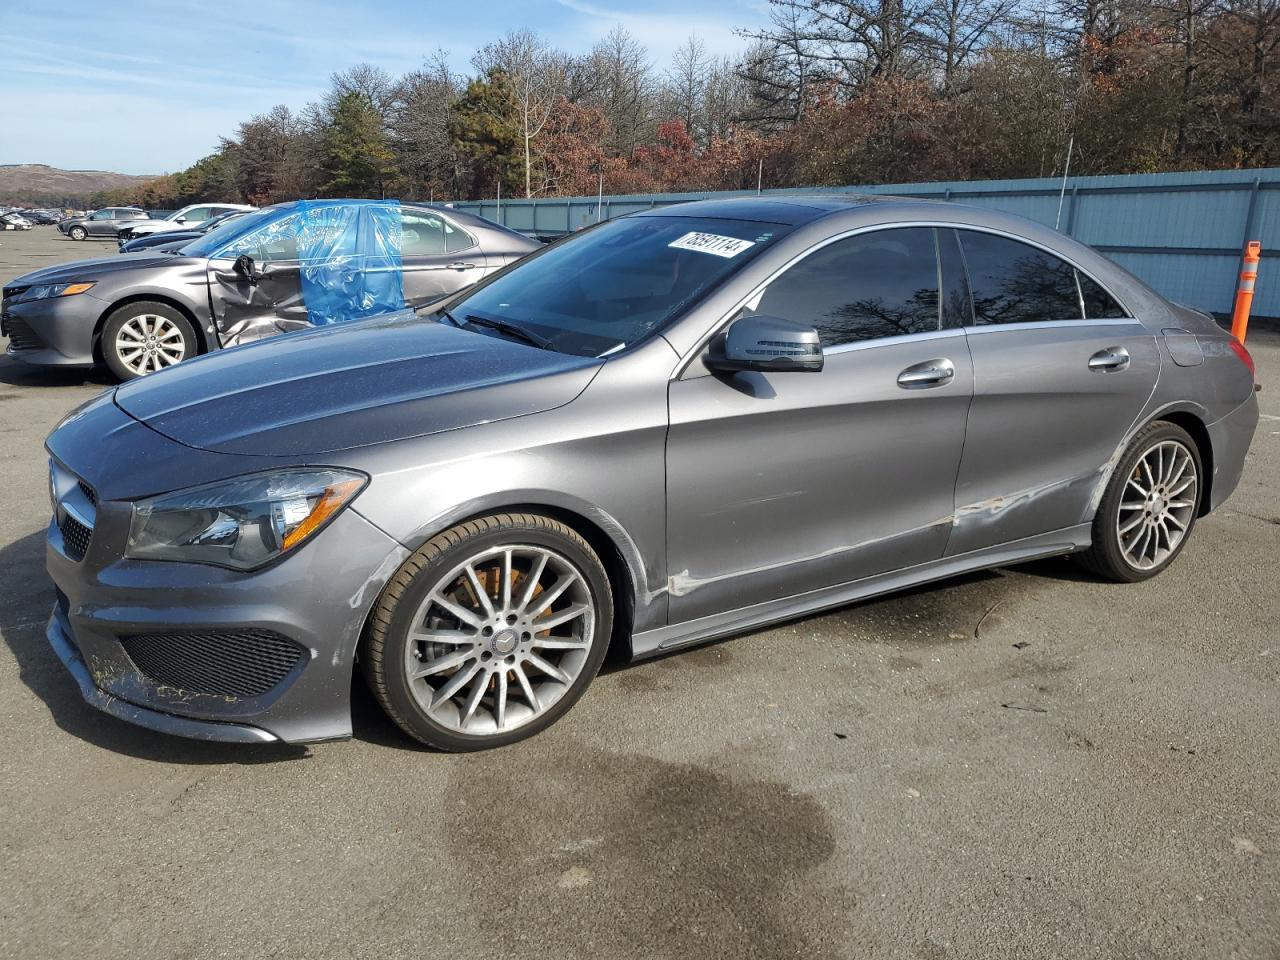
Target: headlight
x=47, y=290
x=242, y=523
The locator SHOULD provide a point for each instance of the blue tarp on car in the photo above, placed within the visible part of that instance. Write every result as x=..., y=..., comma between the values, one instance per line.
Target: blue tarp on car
x=349, y=251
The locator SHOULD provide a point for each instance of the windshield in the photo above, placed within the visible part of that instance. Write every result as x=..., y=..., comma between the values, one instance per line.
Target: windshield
x=221, y=236
x=617, y=283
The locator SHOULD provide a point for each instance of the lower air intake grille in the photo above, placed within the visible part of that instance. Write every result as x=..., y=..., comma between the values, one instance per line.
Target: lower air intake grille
x=21, y=337
x=75, y=537
x=242, y=663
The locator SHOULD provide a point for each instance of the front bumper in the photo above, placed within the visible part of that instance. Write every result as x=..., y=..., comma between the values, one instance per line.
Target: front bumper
x=186, y=648
x=53, y=332
x=316, y=599
x=58, y=633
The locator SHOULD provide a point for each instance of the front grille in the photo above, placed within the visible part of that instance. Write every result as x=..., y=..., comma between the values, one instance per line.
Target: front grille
x=88, y=492
x=75, y=537
x=21, y=337
x=241, y=663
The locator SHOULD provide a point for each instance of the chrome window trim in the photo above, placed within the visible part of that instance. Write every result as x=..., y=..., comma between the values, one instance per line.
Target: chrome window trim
x=979, y=329
x=855, y=345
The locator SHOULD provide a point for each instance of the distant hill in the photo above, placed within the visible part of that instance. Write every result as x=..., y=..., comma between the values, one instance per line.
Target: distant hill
x=38, y=183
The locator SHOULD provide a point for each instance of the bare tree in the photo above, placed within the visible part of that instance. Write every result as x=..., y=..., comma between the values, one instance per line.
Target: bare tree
x=536, y=76
x=685, y=90
x=955, y=29
x=778, y=69
x=616, y=77
x=420, y=126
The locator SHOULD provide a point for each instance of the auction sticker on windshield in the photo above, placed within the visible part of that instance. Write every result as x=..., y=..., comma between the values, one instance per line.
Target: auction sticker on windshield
x=712, y=243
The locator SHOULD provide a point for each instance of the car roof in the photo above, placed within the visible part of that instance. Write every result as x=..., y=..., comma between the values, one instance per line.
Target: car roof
x=791, y=210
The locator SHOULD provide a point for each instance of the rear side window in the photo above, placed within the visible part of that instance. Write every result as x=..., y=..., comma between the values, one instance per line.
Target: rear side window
x=1014, y=282
x=1098, y=304
x=880, y=284
x=426, y=234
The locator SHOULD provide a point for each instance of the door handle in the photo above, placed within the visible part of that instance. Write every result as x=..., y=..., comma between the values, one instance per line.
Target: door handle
x=1110, y=360
x=462, y=266
x=929, y=373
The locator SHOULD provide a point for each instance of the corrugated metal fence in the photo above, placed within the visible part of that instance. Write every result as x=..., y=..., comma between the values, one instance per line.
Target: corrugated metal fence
x=1183, y=233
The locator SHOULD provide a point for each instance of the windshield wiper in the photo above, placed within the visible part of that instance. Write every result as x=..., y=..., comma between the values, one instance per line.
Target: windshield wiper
x=509, y=328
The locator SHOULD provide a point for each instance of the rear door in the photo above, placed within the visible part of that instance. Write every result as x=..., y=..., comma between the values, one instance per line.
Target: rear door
x=1061, y=371
x=783, y=483
x=438, y=257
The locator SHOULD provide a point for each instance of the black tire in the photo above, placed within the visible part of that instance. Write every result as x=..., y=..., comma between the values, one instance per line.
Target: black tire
x=385, y=646
x=109, y=342
x=77, y=233
x=1105, y=556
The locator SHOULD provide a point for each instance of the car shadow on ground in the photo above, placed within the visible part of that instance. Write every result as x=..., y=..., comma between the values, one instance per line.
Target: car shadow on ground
x=28, y=598
x=18, y=374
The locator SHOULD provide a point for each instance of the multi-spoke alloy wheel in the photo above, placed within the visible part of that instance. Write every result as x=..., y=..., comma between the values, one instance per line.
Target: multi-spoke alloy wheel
x=1158, y=504
x=490, y=632
x=141, y=338
x=146, y=342
x=1150, y=505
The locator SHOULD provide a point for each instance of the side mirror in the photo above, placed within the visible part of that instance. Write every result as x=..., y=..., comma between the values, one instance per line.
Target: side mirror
x=181, y=220
x=767, y=344
x=244, y=268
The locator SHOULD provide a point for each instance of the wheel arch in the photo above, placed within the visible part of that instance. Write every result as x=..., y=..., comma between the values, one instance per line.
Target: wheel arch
x=617, y=552
x=168, y=301
x=1199, y=432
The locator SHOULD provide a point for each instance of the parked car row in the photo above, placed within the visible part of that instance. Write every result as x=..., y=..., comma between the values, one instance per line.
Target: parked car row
x=188, y=217
x=14, y=221
x=673, y=426
x=35, y=217
x=263, y=272
x=174, y=239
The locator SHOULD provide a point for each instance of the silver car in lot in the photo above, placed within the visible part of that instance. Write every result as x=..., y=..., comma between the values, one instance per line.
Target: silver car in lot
x=674, y=426
x=283, y=268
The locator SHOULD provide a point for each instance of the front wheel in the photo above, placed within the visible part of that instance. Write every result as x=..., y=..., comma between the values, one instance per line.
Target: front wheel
x=490, y=632
x=143, y=337
x=77, y=233
x=1150, y=505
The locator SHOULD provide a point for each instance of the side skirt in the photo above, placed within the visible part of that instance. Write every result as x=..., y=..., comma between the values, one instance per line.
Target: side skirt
x=662, y=639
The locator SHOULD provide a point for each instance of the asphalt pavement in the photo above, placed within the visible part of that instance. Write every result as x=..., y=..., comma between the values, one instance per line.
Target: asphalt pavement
x=1022, y=763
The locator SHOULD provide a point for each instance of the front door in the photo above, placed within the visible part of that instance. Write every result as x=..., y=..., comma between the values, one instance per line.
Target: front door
x=779, y=484
x=272, y=302
x=1061, y=373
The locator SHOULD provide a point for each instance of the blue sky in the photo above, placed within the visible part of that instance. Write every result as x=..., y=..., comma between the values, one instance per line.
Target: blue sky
x=148, y=86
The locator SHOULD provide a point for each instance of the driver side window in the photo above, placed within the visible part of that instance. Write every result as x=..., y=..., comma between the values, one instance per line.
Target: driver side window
x=879, y=284
x=273, y=242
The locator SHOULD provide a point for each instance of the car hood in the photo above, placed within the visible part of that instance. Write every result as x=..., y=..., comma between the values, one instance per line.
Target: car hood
x=94, y=269
x=373, y=381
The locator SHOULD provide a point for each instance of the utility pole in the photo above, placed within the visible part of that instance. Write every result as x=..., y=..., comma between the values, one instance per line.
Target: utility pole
x=498, y=215
x=600, y=195
x=760, y=177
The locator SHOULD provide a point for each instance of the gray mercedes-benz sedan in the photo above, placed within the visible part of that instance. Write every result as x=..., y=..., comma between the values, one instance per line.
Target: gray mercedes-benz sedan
x=673, y=426
x=276, y=270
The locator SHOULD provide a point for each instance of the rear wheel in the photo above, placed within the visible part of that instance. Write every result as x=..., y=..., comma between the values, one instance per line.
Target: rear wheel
x=143, y=337
x=77, y=233
x=490, y=632
x=1150, y=506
